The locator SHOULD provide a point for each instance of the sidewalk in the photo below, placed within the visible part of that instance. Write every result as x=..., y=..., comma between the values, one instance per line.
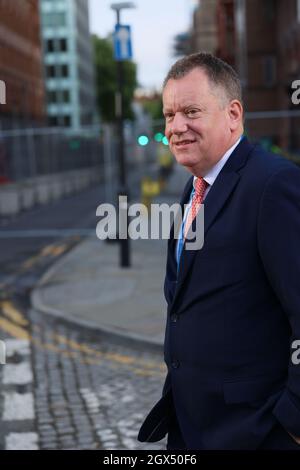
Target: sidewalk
x=87, y=286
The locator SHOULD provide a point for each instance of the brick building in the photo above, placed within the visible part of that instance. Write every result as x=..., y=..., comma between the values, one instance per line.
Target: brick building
x=225, y=27
x=21, y=64
x=204, y=29
x=288, y=47
x=261, y=40
x=270, y=48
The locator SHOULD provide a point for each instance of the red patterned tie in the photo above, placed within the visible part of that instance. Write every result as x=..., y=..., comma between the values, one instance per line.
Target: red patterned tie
x=200, y=187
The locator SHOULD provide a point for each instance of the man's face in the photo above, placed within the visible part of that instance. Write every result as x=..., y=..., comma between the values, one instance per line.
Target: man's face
x=198, y=123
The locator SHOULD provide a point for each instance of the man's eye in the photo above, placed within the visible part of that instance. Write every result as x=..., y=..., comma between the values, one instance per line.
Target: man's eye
x=192, y=112
x=168, y=117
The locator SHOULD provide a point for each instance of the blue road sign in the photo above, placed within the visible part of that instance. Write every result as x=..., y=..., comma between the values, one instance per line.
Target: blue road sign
x=122, y=42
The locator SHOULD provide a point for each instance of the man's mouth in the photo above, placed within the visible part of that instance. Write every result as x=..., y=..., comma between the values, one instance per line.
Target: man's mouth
x=184, y=143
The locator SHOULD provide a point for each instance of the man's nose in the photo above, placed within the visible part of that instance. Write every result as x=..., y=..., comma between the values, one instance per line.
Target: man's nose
x=179, y=124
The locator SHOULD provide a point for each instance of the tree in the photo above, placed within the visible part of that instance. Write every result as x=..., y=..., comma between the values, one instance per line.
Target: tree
x=154, y=107
x=106, y=80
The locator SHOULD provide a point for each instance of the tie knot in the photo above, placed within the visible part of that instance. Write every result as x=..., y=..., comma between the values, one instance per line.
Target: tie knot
x=200, y=186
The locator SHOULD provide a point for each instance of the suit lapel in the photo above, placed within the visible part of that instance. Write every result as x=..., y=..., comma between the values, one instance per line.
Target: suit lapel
x=222, y=188
x=213, y=204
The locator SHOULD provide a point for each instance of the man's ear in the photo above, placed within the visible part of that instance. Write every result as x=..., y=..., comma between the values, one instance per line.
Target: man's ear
x=235, y=112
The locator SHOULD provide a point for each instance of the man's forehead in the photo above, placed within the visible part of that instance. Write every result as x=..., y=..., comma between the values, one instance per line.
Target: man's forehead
x=178, y=96
x=197, y=74
x=195, y=83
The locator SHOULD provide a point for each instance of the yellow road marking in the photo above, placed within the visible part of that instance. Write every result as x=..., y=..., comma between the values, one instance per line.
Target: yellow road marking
x=73, y=344
x=15, y=329
x=119, y=358
x=29, y=262
x=58, y=250
x=147, y=373
x=11, y=312
x=21, y=333
x=54, y=250
x=47, y=250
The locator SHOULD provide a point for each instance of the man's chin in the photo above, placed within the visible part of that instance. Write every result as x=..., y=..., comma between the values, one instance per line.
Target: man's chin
x=186, y=160
x=191, y=166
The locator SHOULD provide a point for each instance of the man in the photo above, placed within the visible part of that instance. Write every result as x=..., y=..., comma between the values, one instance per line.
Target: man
x=234, y=305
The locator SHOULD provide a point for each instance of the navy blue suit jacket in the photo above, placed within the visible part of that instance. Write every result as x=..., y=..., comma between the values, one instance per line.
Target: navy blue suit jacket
x=234, y=311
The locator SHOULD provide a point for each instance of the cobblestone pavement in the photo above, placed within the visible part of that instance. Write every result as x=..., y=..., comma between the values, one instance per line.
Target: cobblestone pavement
x=65, y=388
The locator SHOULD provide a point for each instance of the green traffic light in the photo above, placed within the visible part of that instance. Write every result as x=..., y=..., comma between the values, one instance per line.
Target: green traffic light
x=143, y=140
x=165, y=141
x=158, y=137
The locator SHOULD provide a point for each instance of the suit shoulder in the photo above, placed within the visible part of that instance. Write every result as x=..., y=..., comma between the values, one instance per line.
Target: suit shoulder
x=266, y=164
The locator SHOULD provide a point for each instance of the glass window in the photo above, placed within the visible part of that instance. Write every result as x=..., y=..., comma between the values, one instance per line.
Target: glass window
x=269, y=10
x=64, y=70
x=52, y=96
x=63, y=45
x=269, y=70
x=54, y=19
x=50, y=71
x=50, y=45
x=53, y=121
x=67, y=121
x=66, y=96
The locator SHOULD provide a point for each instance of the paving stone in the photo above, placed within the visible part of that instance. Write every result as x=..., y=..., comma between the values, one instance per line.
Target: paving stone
x=92, y=406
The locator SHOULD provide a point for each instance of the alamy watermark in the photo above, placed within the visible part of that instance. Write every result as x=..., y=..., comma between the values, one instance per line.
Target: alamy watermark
x=2, y=353
x=155, y=225
x=296, y=94
x=296, y=354
x=2, y=92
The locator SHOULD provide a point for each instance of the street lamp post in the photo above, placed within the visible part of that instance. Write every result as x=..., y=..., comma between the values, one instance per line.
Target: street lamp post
x=123, y=190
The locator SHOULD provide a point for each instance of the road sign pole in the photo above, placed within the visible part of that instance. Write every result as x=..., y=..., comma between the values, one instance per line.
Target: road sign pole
x=122, y=48
x=123, y=190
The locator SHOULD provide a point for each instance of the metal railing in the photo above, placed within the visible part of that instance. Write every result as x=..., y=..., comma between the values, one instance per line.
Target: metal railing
x=26, y=153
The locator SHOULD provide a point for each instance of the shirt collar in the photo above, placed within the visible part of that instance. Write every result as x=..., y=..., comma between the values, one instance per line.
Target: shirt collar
x=212, y=174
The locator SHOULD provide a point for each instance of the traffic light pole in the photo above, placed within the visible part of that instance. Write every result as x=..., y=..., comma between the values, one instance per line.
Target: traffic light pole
x=123, y=190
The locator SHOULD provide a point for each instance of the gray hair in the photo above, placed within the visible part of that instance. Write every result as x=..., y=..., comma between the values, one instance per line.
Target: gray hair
x=218, y=72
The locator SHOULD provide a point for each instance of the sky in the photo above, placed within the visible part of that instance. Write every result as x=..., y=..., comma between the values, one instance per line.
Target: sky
x=154, y=23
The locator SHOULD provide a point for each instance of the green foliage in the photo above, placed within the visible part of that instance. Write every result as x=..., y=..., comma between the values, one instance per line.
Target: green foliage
x=106, y=80
x=154, y=108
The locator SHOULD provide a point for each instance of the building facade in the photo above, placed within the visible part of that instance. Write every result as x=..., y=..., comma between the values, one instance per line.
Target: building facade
x=21, y=71
x=268, y=59
x=226, y=31
x=261, y=40
x=68, y=63
x=288, y=69
x=204, y=28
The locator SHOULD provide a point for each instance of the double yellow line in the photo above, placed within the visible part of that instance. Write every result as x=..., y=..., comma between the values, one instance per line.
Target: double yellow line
x=13, y=322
